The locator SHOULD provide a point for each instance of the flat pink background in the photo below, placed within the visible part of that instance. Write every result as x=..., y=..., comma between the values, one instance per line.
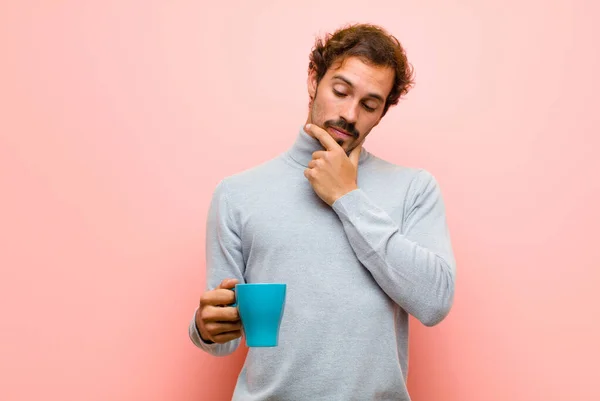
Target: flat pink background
x=118, y=118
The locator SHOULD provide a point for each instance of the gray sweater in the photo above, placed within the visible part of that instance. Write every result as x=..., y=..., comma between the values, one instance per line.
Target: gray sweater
x=354, y=272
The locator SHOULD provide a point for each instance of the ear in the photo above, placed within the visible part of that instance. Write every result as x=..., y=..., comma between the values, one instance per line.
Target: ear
x=311, y=83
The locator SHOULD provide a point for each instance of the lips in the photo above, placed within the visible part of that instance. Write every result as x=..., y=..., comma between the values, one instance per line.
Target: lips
x=340, y=133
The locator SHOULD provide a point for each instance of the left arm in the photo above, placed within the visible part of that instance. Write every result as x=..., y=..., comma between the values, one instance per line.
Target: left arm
x=413, y=263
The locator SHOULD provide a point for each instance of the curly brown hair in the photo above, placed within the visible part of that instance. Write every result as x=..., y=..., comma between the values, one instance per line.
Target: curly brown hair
x=372, y=44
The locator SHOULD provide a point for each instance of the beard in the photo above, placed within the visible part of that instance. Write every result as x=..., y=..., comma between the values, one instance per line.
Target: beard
x=343, y=125
x=317, y=118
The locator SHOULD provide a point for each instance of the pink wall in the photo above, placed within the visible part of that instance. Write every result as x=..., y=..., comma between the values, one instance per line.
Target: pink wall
x=117, y=119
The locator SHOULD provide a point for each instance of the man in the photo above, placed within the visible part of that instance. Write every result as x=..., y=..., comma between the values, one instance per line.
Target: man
x=360, y=242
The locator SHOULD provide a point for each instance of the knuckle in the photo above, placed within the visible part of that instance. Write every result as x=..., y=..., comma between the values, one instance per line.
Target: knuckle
x=207, y=298
x=207, y=313
x=222, y=295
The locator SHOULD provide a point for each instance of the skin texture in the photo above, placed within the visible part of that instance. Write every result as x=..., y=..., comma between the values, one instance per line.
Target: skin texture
x=349, y=98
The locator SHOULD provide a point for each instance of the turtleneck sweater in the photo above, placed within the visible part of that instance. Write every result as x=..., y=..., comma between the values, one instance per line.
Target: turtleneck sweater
x=355, y=271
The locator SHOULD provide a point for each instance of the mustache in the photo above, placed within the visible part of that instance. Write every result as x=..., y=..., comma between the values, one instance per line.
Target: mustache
x=343, y=124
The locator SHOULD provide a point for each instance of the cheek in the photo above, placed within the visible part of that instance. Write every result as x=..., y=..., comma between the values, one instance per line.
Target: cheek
x=368, y=123
x=321, y=108
x=364, y=130
x=316, y=112
x=329, y=103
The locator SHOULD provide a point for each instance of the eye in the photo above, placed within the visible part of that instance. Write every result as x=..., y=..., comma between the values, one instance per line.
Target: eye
x=369, y=108
x=338, y=93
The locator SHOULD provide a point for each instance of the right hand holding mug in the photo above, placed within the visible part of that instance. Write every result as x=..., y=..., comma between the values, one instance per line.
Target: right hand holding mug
x=218, y=322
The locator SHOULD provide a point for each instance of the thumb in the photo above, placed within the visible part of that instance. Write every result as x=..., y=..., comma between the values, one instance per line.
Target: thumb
x=355, y=154
x=228, y=283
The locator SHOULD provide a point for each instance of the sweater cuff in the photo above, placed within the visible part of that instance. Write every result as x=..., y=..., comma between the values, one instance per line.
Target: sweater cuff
x=351, y=204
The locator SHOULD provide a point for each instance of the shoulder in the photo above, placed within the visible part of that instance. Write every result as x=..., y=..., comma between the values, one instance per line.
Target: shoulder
x=414, y=182
x=415, y=176
x=247, y=181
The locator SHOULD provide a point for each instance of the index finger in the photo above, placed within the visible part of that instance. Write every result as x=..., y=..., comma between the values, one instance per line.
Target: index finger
x=326, y=140
x=218, y=296
x=228, y=283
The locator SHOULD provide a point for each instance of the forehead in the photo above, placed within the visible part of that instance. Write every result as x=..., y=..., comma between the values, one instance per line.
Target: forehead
x=365, y=77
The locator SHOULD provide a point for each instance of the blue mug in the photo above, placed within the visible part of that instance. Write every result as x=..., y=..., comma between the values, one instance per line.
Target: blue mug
x=261, y=307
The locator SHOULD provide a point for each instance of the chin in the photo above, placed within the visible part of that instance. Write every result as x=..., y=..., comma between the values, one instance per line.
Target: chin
x=347, y=147
x=344, y=144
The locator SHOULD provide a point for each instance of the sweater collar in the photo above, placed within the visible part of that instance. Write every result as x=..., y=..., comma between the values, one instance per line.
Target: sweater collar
x=305, y=145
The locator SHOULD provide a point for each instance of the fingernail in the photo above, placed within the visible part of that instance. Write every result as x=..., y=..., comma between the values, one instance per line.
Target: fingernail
x=307, y=126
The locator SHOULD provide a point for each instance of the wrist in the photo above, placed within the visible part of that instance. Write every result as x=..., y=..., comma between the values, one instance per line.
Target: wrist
x=344, y=193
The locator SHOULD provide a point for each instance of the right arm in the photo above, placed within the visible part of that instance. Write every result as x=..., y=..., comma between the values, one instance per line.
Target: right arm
x=224, y=260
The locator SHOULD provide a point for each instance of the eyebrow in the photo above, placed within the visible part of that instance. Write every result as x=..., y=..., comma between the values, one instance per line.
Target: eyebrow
x=342, y=78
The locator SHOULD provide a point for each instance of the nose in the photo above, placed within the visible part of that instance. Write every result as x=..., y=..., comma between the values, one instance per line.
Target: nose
x=350, y=112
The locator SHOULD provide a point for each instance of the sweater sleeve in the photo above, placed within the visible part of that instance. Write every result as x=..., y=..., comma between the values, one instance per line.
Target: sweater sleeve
x=412, y=262
x=224, y=260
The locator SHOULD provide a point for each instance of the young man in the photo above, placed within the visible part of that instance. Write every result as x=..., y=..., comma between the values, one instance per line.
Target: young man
x=360, y=242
